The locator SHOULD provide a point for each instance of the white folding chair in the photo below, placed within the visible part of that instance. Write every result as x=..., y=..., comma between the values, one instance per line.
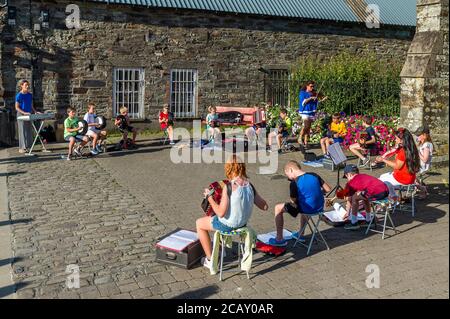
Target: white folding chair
x=314, y=228
x=385, y=208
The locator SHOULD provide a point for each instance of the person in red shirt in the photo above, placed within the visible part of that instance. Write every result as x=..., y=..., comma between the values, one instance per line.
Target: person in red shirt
x=360, y=188
x=166, y=122
x=406, y=163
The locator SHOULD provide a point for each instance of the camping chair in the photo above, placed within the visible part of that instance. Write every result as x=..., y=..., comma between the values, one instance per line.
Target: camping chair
x=314, y=228
x=385, y=208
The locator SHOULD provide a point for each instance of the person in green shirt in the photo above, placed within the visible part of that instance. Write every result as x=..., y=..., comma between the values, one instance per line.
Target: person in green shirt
x=284, y=125
x=71, y=135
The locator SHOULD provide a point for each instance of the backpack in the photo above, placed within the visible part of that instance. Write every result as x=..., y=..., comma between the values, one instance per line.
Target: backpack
x=269, y=249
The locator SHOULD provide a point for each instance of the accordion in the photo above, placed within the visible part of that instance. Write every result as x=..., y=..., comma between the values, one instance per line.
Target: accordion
x=217, y=188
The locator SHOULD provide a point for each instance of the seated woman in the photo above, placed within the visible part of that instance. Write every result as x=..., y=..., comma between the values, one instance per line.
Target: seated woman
x=166, y=122
x=406, y=164
x=233, y=212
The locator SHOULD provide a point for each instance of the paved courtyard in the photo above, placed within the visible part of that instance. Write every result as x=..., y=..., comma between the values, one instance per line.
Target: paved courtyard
x=105, y=214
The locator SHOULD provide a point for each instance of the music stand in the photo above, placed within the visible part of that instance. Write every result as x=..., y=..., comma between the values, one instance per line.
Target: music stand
x=338, y=157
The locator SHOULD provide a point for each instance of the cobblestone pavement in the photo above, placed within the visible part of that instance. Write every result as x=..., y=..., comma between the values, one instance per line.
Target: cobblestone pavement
x=105, y=214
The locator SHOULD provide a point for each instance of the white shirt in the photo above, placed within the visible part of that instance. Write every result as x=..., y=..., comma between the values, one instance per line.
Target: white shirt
x=90, y=118
x=425, y=166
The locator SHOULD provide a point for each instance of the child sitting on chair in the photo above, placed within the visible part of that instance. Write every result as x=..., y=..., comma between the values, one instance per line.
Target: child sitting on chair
x=233, y=212
x=166, y=122
x=367, y=143
x=123, y=123
x=97, y=135
x=307, y=197
x=360, y=188
x=211, y=124
x=71, y=135
x=253, y=133
x=337, y=132
x=284, y=124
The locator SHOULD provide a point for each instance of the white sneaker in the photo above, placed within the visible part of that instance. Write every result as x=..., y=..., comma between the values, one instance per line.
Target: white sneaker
x=206, y=263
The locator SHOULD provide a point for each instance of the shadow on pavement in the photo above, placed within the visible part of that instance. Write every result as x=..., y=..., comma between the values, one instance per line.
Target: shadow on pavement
x=199, y=293
x=16, y=221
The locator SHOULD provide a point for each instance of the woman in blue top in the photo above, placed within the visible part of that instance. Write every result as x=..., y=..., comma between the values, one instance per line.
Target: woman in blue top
x=308, y=102
x=24, y=106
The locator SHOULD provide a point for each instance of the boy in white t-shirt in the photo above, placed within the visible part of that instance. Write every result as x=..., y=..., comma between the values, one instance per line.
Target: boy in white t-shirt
x=97, y=135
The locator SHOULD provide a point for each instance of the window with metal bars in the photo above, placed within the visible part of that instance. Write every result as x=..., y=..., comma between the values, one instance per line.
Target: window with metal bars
x=183, y=92
x=277, y=87
x=128, y=91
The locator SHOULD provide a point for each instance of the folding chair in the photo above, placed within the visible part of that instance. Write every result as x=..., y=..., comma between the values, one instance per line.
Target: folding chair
x=240, y=232
x=368, y=153
x=314, y=228
x=408, y=191
x=384, y=208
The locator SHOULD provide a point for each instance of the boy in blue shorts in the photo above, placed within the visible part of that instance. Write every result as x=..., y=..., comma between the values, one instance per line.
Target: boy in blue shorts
x=71, y=133
x=307, y=197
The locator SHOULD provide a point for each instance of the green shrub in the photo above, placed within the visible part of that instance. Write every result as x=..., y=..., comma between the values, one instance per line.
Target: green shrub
x=361, y=84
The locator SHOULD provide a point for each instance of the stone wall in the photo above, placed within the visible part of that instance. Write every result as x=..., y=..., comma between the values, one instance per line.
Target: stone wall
x=425, y=76
x=227, y=50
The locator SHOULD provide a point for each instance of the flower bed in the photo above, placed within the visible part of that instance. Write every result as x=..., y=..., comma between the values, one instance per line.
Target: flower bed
x=384, y=127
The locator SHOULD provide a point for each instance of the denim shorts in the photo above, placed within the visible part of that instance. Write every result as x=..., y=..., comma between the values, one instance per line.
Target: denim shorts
x=78, y=138
x=217, y=225
x=338, y=139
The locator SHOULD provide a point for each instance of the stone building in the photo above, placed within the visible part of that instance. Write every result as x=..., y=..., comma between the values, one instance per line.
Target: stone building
x=425, y=89
x=189, y=54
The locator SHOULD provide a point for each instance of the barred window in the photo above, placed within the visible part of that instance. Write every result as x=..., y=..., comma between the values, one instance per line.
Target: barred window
x=128, y=91
x=277, y=86
x=183, y=92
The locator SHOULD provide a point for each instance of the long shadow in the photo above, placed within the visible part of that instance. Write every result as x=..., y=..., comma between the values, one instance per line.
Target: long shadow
x=12, y=173
x=11, y=260
x=199, y=293
x=16, y=221
x=11, y=289
x=338, y=236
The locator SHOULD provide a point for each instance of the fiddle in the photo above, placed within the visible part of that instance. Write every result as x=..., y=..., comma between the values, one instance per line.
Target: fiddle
x=389, y=153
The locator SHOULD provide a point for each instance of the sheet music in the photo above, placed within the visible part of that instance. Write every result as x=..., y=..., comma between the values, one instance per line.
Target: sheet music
x=336, y=153
x=179, y=240
x=266, y=237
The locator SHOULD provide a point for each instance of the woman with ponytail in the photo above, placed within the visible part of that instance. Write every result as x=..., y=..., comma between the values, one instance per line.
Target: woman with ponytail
x=406, y=163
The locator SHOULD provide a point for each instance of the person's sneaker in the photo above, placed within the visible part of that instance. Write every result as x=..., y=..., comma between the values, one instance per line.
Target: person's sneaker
x=275, y=242
x=22, y=150
x=295, y=236
x=77, y=151
x=351, y=226
x=68, y=158
x=279, y=151
x=206, y=263
x=98, y=149
x=327, y=156
x=172, y=143
x=94, y=152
